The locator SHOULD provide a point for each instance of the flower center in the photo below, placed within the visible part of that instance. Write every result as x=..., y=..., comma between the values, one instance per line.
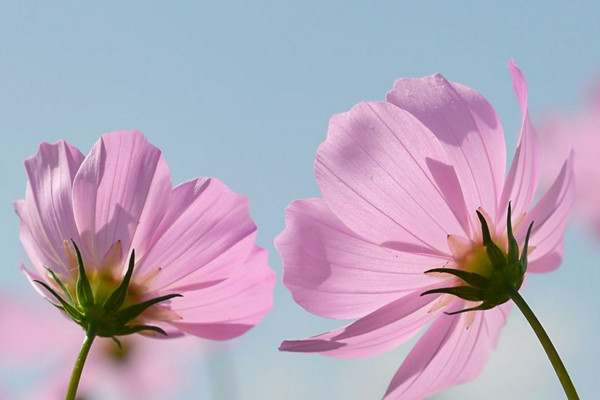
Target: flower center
x=103, y=285
x=475, y=260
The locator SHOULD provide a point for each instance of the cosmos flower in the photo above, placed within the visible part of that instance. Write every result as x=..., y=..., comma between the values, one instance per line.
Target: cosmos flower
x=408, y=186
x=46, y=343
x=112, y=218
x=561, y=131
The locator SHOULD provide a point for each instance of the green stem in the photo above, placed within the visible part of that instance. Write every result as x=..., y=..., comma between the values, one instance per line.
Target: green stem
x=557, y=363
x=90, y=335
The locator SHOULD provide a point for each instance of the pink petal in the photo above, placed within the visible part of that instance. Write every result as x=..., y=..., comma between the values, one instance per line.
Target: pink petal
x=36, y=254
x=230, y=308
x=386, y=177
x=550, y=216
x=449, y=353
x=46, y=215
x=120, y=193
x=548, y=262
x=334, y=273
x=376, y=333
x=32, y=277
x=469, y=129
x=206, y=233
x=495, y=319
x=522, y=179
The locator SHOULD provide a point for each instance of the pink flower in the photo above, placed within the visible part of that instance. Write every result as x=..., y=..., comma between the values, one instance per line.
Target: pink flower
x=560, y=132
x=401, y=183
x=196, y=239
x=144, y=369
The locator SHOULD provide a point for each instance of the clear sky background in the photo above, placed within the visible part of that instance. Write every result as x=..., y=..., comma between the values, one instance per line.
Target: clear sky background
x=243, y=91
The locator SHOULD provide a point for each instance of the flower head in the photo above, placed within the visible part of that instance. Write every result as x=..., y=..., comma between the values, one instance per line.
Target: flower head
x=580, y=131
x=116, y=246
x=411, y=185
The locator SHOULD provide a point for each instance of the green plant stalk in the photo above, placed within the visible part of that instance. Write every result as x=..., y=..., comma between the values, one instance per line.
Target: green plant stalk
x=90, y=335
x=557, y=363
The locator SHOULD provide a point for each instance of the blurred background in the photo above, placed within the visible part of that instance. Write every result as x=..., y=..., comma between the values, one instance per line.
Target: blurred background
x=243, y=91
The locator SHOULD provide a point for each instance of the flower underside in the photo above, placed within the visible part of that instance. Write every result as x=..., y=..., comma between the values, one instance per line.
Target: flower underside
x=488, y=272
x=103, y=305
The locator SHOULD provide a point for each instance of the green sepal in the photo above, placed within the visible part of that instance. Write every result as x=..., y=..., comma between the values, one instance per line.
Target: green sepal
x=128, y=313
x=523, y=260
x=495, y=254
x=85, y=296
x=128, y=330
x=117, y=342
x=464, y=292
x=472, y=278
x=117, y=298
x=61, y=284
x=482, y=307
x=54, y=304
x=73, y=312
x=513, y=247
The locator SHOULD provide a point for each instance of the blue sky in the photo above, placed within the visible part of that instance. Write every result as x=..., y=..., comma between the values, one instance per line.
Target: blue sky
x=243, y=91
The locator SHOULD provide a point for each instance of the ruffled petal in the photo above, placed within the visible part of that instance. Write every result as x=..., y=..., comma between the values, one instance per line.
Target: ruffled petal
x=206, y=233
x=46, y=215
x=453, y=350
x=387, y=178
x=523, y=175
x=468, y=127
x=334, y=273
x=550, y=217
x=120, y=193
x=378, y=332
x=229, y=308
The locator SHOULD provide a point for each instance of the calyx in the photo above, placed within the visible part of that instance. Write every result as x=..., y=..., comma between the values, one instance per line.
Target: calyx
x=108, y=317
x=507, y=272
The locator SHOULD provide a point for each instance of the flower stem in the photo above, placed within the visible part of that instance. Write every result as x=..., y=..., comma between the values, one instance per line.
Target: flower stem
x=557, y=363
x=90, y=335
